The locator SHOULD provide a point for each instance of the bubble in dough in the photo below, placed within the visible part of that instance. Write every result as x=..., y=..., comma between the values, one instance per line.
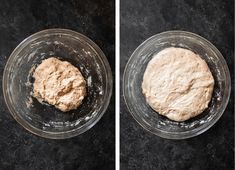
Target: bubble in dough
x=178, y=84
x=59, y=83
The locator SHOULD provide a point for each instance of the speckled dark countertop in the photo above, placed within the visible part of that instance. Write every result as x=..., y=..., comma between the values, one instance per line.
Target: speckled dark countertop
x=21, y=150
x=213, y=149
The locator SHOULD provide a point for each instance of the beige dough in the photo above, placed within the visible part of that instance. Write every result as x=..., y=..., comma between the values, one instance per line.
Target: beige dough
x=60, y=84
x=178, y=84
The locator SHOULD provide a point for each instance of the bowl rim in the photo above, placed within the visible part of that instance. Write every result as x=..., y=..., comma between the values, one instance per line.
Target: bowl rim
x=179, y=135
x=108, y=90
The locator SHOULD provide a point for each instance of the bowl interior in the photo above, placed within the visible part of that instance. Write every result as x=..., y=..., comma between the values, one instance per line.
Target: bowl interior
x=150, y=119
x=75, y=49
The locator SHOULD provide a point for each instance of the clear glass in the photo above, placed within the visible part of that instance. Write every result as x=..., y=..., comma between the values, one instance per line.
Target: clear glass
x=151, y=120
x=45, y=120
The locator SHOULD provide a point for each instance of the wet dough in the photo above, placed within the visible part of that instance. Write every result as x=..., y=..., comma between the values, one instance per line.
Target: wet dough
x=59, y=83
x=178, y=84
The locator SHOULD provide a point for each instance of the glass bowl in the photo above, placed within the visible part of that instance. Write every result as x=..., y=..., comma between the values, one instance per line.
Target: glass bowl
x=43, y=119
x=150, y=119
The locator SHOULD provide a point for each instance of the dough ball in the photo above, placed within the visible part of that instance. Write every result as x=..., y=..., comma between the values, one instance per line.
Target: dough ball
x=178, y=84
x=59, y=83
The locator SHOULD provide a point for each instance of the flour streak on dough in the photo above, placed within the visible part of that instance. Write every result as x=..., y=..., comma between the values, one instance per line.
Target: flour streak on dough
x=178, y=84
x=59, y=83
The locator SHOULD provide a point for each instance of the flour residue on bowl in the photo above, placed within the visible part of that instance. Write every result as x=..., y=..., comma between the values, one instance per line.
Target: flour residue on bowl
x=28, y=83
x=29, y=102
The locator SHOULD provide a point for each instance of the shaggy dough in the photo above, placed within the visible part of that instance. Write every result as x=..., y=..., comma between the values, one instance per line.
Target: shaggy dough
x=178, y=84
x=59, y=83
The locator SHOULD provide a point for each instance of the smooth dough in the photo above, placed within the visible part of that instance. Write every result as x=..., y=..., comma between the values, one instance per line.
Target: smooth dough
x=59, y=83
x=178, y=84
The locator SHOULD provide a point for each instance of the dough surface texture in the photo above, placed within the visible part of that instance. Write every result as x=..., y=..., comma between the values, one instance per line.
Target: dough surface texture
x=59, y=83
x=178, y=84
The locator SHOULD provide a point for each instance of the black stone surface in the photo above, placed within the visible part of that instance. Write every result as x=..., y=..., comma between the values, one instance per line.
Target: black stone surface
x=212, y=150
x=21, y=150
